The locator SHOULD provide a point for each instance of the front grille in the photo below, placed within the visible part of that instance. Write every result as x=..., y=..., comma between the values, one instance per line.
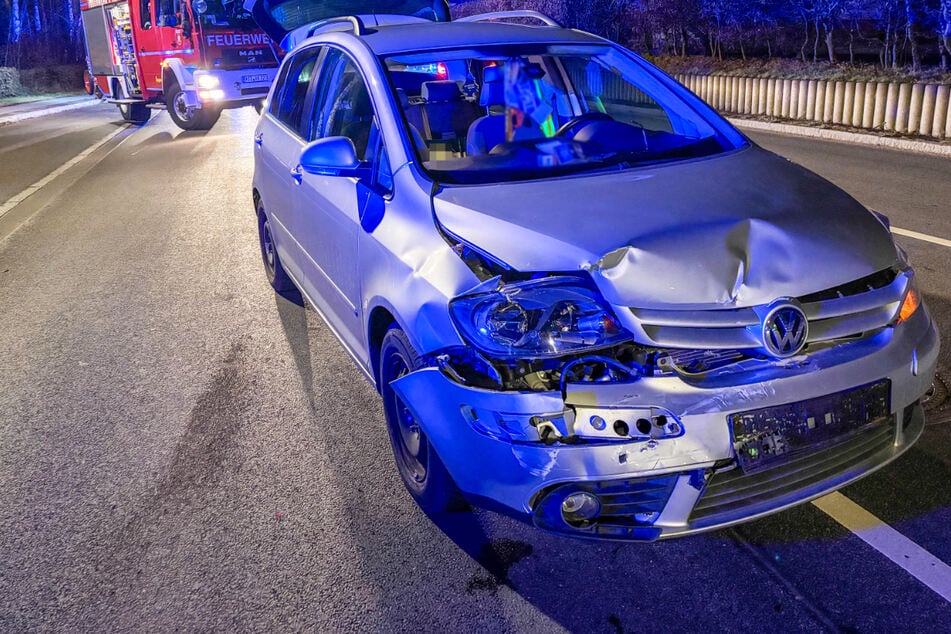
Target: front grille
x=733, y=495
x=858, y=307
x=628, y=507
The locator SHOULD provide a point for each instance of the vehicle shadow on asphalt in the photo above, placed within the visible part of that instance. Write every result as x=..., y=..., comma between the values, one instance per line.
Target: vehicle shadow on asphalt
x=294, y=321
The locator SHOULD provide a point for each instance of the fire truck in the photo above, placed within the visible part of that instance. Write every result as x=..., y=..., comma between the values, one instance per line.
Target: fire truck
x=192, y=57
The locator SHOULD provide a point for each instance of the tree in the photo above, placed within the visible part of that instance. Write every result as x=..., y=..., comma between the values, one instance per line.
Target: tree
x=944, y=32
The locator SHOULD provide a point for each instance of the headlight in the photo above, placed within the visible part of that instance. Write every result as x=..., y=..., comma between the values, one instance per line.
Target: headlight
x=535, y=319
x=206, y=81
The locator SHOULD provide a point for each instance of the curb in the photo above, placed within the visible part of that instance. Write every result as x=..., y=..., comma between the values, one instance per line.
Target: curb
x=920, y=147
x=32, y=114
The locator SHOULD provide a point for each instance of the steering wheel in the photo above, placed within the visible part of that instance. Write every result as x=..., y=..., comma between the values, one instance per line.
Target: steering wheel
x=569, y=128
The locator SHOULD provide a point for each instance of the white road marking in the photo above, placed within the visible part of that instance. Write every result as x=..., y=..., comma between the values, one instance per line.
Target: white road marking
x=35, y=187
x=921, y=236
x=33, y=114
x=915, y=560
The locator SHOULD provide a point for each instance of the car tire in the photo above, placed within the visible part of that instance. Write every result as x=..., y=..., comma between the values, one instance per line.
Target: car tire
x=280, y=281
x=201, y=119
x=419, y=466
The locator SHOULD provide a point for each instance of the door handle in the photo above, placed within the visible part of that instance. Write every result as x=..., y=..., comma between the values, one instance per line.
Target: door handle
x=297, y=175
x=259, y=139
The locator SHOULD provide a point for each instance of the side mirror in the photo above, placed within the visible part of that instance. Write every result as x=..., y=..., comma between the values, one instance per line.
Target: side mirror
x=331, y=156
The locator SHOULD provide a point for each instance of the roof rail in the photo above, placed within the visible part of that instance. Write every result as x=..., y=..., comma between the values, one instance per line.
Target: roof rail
x=518, y=13
x=358, y=27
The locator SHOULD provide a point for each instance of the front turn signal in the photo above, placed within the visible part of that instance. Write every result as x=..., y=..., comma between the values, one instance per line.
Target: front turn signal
x=910, y=305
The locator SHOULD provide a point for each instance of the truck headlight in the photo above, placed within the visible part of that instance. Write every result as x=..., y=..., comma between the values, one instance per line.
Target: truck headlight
x=540, y=318
x=207, y=81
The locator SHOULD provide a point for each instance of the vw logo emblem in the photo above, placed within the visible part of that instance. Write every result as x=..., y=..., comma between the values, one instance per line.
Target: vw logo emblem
x=785, y=330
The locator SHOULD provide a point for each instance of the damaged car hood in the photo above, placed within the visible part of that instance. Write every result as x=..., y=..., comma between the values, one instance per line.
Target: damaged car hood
x=734, y=230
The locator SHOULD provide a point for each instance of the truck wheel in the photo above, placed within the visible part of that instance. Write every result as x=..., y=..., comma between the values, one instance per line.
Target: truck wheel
x=135, y=112
x=186, y=118
x=420, y=468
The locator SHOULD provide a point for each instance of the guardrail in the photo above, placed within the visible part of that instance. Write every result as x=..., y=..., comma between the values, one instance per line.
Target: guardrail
x=921, y=109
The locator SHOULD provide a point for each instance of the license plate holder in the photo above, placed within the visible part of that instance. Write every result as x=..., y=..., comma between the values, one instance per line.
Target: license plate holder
x=771, y=435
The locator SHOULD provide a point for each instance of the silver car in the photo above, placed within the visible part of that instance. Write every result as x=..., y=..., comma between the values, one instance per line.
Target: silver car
x=583, y=296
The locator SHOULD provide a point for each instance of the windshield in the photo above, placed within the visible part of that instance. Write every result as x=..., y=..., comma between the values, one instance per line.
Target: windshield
x=222, y=13
x=519, y=112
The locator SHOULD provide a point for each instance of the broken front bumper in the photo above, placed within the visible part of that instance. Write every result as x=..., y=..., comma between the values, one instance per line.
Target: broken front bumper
x=684, y=482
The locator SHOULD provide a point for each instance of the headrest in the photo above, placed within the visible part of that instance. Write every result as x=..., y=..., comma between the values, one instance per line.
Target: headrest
x=492, y=92
x=492, y=73
x=444, y=90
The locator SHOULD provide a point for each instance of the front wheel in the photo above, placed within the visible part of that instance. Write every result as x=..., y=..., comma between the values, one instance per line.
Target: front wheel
x=420, y=468
x=189, y=118
x=280, y=281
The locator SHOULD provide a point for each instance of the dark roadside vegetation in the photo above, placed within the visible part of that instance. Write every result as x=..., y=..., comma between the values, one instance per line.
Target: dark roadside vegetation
x=41, y=81
x=862, y=40
x=42, y=49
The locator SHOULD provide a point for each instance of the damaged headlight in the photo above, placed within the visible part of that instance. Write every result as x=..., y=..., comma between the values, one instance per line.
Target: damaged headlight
x=540, y=318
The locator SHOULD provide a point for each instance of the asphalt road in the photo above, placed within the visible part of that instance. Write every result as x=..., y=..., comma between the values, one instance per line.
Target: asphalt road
x=182, y=450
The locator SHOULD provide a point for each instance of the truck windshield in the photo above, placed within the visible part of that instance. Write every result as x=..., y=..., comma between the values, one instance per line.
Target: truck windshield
x=222, y=13
x=290, y=14
x=501, y=113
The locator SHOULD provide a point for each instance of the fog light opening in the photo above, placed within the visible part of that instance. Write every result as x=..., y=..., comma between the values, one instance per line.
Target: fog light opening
x=643, y=425
x=580, y=508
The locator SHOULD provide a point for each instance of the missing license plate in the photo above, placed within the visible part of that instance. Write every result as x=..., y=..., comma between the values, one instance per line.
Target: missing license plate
x=763, y=437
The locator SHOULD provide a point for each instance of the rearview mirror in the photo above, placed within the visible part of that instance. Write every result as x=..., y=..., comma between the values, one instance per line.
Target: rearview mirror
x=331, y=156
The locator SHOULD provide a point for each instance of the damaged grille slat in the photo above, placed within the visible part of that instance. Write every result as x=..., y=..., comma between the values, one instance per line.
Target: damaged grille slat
x=701, y=337
x=827, y=329
x=855, y=304
x=697, y=318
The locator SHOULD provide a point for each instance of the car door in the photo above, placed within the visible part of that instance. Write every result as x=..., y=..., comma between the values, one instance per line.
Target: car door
x=330, y=205
x=278, y=141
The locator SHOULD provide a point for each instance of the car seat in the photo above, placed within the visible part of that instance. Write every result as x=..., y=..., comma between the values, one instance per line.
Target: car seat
x=488, y=131
x=446, y=113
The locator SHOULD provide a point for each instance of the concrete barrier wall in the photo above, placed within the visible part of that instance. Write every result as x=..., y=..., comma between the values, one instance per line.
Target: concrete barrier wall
x=923, y=109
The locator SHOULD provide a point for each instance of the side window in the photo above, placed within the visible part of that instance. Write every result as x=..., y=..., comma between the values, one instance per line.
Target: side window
x=168, y=11
x=343, y=106
x=145, y=14
x=382, y=174
x=289, y=107
x=275, y=105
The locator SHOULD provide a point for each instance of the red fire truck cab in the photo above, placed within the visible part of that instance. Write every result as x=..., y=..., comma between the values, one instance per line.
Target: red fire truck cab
x=194, y=57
